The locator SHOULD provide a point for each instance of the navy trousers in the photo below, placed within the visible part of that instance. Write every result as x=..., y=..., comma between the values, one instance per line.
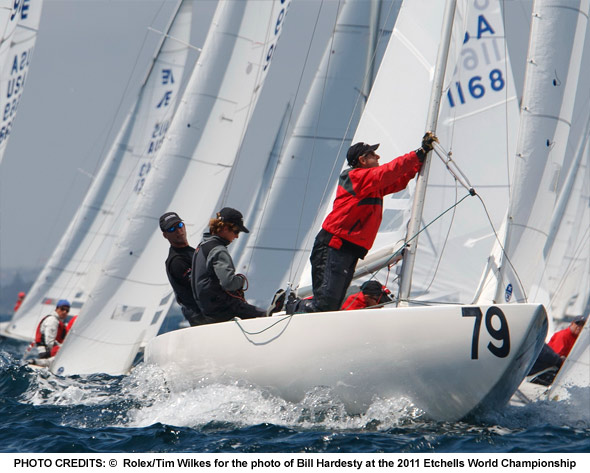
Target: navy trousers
x=331, y=272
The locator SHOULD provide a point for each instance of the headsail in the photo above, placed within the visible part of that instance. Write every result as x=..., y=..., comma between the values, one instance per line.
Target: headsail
x=105, y=210
x=131, y=298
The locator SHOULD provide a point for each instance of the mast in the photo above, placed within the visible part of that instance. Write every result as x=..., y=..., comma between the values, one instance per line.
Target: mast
x=431, y=123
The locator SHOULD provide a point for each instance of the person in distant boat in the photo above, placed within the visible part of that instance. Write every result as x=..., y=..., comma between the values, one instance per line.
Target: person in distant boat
x=219, y=290
x=179, y=266
x=349, y=230
x=554, y=353
x=19, y=301
x=51, y=331
x=372, y=294
x=562, y=342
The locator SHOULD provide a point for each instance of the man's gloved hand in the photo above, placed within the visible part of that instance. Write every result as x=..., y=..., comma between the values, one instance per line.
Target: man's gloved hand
x=427, y=141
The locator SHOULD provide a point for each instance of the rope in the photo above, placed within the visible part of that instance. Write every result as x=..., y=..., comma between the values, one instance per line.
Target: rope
x=284, y=319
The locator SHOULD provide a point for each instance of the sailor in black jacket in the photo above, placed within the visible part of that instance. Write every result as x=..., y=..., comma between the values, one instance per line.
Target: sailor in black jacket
x=179, y=267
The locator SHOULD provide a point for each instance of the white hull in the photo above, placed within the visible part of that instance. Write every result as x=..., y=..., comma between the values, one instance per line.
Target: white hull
x=425, y=354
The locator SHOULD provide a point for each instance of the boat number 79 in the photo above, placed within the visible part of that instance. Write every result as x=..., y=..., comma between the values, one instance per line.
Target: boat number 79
x=501, y=334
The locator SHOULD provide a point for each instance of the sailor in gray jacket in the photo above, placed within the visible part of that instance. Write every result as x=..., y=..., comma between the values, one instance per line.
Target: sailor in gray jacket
x=218, y=289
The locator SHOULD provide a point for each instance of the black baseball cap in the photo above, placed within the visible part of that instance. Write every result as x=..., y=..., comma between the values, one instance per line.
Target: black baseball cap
x=229, y=215
x=375, y=289
x=357, y=150
x=168, y=220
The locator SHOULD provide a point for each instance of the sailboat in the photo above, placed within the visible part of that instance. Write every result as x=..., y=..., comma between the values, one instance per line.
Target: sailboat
x=19, y=23
x=130, y=299
x=450, y=360
x=546, y=242
x=73, y=268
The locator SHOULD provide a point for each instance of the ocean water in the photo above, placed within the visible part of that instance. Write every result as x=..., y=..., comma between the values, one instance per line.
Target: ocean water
x=137, y=413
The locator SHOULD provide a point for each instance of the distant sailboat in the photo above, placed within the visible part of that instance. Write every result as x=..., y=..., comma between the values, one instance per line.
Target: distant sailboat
x=74, y=266
x=545, y=257
x=132, y=296
x=19, y=23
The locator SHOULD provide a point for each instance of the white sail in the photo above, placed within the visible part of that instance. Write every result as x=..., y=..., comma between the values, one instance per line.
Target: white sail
x=19, y=20
x=312, y=156
x=71, y=271
x=477, y=116
x=558, y=35
x=131, y=298
x=567, y=272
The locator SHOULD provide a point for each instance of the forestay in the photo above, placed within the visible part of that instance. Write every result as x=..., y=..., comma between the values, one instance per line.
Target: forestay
x=75, y=264
x=131, y=298
x=19, y=23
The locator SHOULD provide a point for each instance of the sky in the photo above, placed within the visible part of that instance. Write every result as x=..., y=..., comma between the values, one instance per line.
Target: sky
x=89, y=60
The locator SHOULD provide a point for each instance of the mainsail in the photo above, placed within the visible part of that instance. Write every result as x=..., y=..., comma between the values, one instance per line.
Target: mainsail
x=72, y=268
x=19, y=23
x=132, y=296
x=315, y=149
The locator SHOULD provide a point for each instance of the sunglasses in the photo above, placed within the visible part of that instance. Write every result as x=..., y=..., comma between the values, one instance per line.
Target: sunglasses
x=174, y=227
x=66, y=309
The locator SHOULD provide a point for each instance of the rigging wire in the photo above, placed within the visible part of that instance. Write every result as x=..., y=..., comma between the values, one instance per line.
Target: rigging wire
x=288, y=124
x=297, y=269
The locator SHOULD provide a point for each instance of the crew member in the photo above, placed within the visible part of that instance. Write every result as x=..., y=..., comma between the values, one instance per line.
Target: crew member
x=349, y=230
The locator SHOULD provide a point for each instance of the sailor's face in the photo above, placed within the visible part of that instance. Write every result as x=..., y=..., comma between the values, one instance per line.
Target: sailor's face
x=369, y=160
x=177, y=238
x=575, y=329
x=62, y=312
x=229, y=233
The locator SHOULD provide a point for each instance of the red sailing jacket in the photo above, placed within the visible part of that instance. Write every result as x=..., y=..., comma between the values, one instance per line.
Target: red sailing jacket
x=562, y=342
x=358, y=207
x=355, y=301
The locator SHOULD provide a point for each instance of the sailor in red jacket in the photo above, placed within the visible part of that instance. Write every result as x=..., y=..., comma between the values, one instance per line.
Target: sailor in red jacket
x=372, y=294
x=349, y=230
x=562, y=342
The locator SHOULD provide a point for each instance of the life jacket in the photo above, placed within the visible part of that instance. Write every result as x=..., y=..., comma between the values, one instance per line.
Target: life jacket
x=70, y=323
x=61, y=332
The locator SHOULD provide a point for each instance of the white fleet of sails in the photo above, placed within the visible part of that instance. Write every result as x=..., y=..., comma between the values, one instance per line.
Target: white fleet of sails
x=517, y=240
